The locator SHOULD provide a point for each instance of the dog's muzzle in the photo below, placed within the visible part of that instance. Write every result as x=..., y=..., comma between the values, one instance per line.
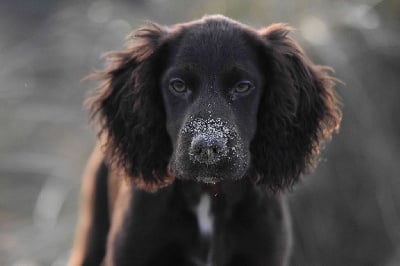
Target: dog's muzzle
x=209, y=150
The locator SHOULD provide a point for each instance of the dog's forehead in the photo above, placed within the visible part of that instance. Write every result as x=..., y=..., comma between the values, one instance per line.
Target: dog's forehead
x=213, y=44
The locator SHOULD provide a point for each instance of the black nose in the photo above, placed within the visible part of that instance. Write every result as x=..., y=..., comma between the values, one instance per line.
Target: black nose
x=208, y=149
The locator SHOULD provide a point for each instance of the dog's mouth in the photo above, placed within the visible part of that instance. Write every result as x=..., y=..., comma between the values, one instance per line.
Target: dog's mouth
x=187, y=170
x=208, y=179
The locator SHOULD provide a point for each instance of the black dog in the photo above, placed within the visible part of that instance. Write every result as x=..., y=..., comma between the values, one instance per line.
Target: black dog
x=210, y=107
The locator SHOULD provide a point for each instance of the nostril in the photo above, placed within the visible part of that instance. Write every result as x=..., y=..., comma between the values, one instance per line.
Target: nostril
x=198, y=149
x=207, y=149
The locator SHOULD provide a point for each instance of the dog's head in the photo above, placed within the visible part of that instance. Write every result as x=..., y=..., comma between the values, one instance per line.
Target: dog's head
x=214, y=100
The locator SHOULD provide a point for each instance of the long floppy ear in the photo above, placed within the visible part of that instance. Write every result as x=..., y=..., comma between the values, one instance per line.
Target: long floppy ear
x=299, y=110
x=129, y=109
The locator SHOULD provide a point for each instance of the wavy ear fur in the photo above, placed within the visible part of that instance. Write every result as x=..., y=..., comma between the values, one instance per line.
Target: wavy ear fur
x=298, y=112
x=128, y=107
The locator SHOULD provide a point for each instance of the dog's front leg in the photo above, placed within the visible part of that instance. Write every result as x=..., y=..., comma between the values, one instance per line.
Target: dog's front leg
x=252, y=228
x=153, y=229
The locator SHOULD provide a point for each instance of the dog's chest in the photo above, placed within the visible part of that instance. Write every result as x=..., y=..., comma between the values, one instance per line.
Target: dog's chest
x=204, y=215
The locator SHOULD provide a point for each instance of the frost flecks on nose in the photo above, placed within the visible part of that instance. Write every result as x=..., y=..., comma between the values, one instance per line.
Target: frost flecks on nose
x=211, y=126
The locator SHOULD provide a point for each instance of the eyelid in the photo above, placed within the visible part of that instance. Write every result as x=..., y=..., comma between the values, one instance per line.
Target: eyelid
x=244, y=81
x=176, y=79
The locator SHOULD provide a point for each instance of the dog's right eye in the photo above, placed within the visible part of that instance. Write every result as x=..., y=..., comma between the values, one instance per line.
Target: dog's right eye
x=177, y=85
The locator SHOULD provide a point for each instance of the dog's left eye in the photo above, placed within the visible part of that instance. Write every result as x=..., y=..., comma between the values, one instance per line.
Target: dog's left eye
x=243, y=86
x=178, y=85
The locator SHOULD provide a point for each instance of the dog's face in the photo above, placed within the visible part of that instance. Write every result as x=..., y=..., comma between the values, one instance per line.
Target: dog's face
x=213, y=100
x=211, y=89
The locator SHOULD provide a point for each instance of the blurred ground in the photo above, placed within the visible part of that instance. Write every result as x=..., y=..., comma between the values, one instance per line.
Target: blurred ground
x=346, y=213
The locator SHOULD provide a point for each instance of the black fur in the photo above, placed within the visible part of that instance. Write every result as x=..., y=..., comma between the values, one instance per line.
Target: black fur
x=98, y=231
x=242, y=142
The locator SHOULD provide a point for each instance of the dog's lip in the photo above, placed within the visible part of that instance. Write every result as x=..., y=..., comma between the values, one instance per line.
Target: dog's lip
x=208, y=179
x=201, y=179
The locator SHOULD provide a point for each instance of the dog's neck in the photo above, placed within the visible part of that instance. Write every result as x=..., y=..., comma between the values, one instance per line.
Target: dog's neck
x=211, y=189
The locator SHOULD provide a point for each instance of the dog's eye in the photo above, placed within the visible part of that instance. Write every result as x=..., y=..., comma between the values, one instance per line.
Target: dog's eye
x=243, y=86
x=177, y=85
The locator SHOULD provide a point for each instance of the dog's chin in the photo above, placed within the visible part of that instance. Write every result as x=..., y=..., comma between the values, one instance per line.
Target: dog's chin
x=208, y=179
x=210, y=176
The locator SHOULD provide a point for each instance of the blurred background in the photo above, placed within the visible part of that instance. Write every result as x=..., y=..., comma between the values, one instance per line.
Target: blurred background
x=346, y=213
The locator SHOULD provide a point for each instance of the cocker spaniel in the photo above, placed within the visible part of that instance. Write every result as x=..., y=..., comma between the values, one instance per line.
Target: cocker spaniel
x=202, y=126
